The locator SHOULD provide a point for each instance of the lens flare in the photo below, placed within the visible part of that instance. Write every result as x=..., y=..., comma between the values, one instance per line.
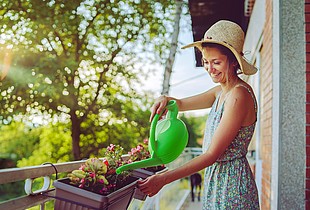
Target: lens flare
x=6, y=64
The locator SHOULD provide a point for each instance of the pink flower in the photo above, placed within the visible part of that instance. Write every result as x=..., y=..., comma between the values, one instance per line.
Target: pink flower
x=139, y=148
x=111, y=147
x=133, y=150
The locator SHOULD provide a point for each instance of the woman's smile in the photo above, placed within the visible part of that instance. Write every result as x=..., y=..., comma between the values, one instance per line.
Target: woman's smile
x=215, y=75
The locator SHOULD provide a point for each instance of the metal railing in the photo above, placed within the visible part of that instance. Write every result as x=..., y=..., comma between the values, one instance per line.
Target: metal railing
x=45, y=194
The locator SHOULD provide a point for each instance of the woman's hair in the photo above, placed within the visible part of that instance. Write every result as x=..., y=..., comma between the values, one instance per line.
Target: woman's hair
x=225, y=51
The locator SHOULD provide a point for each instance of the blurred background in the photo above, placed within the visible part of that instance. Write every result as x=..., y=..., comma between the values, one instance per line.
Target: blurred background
x=78, y=76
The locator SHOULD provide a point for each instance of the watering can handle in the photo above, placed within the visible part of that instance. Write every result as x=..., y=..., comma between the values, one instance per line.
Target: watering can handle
x=173, y=110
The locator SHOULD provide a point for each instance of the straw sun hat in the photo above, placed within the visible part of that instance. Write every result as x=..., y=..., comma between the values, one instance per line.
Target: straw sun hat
x=230, y=35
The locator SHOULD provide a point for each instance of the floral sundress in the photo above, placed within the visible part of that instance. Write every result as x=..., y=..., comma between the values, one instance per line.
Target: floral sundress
x=229, y=183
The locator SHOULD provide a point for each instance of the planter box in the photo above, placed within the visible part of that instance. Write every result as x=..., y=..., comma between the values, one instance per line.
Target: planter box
x=74, y=198
x=144, y=173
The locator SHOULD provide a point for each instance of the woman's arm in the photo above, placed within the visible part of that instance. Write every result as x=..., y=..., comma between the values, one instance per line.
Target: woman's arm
x=200, y=101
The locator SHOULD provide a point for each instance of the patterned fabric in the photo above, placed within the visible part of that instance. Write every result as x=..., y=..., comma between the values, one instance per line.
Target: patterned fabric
x=229, y=182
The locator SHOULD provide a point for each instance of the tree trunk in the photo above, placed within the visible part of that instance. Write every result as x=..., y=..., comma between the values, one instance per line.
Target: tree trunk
x=174, y=44
x=75, y=133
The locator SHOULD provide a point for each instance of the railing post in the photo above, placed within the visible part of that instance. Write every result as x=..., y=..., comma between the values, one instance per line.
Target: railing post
x=42, y=206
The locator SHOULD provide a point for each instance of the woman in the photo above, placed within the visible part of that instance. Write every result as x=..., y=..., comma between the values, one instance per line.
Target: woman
x=228, y=180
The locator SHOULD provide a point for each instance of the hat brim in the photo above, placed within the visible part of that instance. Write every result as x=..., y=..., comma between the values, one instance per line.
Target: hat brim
x=246, y=67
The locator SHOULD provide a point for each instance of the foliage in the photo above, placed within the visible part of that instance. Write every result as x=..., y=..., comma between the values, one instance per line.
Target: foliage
x=81, y=63
x=195, y=126
x=127, y=131
x=50, y=148
x=18, y=140
x=11, y=190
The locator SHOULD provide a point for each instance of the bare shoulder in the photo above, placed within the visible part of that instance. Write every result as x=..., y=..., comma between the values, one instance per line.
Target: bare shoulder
x=242, y=103
x=241, y=94
x=243, y=90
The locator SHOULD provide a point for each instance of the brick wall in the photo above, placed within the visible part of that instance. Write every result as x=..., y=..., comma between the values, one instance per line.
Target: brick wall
x=307, y=35
x=266, y=108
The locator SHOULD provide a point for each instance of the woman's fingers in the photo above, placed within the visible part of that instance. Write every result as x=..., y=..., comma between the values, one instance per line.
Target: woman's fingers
x=154, y=111
x=144, y=187
x=151, y=186
x=159, y=106
x=142, y=184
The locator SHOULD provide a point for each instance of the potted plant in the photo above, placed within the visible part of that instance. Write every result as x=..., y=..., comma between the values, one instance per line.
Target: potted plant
x=141, y=152
x=95, y=185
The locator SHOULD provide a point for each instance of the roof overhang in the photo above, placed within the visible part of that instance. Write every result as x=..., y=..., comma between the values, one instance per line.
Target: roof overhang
x=205, y=13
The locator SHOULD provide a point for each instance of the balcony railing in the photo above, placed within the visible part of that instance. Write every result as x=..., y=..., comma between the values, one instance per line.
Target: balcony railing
x=45, y=194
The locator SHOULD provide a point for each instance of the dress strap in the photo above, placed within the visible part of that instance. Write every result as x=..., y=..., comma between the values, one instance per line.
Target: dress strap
x=252, y=95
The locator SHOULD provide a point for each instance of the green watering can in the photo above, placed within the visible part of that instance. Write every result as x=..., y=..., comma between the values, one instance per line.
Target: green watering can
x=168, y=138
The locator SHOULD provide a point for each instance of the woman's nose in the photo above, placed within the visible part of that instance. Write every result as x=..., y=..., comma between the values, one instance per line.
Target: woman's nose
x=210, y=68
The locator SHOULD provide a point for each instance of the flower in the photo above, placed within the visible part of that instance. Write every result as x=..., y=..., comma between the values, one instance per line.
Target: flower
x=98, y=174
x=140, y=152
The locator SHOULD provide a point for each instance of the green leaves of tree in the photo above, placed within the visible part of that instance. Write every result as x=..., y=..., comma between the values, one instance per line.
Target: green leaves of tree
x=78, y=61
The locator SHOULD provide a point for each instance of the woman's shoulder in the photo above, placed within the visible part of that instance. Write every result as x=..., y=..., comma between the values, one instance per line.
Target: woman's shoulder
x=242, y=89
x=242, y=93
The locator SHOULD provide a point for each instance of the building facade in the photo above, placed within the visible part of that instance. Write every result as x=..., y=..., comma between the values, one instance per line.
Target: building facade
x=277, y=40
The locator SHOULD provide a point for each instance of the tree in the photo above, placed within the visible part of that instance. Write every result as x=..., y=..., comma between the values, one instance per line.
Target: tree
x=79, y=60
x=173, y=49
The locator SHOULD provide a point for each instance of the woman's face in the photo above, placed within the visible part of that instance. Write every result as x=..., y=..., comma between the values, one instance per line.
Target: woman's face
x=216, y=64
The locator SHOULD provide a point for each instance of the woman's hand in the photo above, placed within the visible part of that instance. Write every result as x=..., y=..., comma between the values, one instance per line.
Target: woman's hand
x=152, y=185
x=159, y=106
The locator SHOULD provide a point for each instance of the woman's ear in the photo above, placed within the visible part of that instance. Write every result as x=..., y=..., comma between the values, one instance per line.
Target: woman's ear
x=236, y=65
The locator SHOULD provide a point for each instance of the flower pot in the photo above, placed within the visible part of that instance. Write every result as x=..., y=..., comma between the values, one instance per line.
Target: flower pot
x=71, y=197
x=144, y=173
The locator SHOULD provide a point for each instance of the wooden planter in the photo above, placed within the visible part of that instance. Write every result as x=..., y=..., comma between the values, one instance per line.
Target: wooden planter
x=74, y=198
x=144, y=173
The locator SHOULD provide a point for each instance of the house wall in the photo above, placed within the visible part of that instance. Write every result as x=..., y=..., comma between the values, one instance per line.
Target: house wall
x=266, y=108
x=259, y=42
x=288, y=142
x=307, y=40
x=282, y=134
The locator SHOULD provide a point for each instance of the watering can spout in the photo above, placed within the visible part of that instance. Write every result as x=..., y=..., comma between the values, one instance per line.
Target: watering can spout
x=153, y=161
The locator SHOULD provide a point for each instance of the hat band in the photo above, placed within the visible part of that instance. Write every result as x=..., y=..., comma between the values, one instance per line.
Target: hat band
x=209, y=37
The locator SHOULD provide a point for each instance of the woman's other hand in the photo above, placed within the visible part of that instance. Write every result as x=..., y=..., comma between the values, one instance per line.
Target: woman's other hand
x=151, y=185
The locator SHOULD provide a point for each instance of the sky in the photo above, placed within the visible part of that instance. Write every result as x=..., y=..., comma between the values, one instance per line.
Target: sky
x=186, y=79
